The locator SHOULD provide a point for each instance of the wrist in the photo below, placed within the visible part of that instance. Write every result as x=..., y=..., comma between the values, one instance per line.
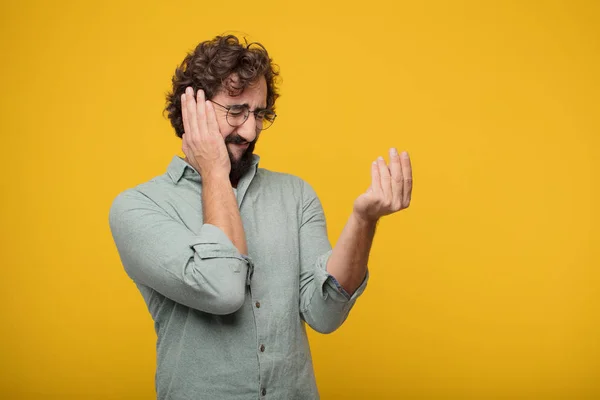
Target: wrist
x=214, y=176
x=364, y=221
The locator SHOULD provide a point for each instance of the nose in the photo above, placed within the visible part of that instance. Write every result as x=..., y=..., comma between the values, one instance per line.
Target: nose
x=248, y=129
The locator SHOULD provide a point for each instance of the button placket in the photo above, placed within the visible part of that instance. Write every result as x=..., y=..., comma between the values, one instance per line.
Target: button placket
x=263, y=391
x=261, y=348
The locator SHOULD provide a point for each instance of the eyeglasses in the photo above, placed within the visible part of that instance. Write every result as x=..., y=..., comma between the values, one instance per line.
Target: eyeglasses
x=238, y=114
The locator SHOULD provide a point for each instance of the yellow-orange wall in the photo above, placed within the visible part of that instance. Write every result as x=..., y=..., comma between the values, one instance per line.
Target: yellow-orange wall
x=486, y=288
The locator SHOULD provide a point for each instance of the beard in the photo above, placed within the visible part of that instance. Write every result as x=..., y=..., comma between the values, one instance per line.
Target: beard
x=239, y=166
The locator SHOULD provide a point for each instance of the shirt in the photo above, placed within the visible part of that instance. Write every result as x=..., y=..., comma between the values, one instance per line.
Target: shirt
x=231, y=326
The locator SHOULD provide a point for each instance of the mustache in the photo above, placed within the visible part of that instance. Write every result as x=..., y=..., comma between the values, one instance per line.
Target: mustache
x=237, y=139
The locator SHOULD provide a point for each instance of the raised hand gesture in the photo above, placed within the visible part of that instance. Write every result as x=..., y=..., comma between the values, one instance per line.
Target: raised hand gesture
x=390, y=189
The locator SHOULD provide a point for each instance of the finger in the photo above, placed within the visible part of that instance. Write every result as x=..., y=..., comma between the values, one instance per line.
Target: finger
x=406, y=179
x=191, y=114
x=386, y=184
x=186, y=123
x=396, y=177
x=201, y=111
x=211, y=119
x=375, y=179
x=184, y=144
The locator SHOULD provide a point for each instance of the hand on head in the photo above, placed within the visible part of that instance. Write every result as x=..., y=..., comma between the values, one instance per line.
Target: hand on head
x=202, y=142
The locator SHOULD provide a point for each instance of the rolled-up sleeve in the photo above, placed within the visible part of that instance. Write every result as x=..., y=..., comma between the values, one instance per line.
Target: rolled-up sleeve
x=324, y=304
x=203, y=271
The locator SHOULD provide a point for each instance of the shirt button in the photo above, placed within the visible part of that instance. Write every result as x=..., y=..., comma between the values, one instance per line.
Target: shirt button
x=262, y=348
x=257, y=304
x=263, y=391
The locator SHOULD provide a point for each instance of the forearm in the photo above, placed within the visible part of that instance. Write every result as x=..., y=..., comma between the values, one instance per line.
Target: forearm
x=220, y=209
x=202, y=270
x=348, y=261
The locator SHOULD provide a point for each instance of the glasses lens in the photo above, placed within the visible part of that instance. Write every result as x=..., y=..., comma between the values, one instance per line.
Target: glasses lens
x=237, y=115
x=265, y=119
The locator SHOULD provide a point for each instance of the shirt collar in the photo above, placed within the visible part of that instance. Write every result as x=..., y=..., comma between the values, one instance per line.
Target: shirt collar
x=179, y=168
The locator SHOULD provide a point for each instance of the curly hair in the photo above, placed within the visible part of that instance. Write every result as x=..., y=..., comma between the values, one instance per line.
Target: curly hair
x=223, y=63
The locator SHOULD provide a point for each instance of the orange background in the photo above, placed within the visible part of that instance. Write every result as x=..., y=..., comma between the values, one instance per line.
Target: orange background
x=487, y=287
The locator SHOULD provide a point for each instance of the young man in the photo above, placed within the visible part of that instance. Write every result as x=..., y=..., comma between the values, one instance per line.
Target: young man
x=231, y=259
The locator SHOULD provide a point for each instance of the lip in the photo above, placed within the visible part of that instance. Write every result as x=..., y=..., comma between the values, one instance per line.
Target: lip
x=241, y=146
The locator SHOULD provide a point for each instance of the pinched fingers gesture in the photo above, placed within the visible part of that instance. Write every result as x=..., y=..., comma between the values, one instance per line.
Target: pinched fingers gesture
x=390, y=190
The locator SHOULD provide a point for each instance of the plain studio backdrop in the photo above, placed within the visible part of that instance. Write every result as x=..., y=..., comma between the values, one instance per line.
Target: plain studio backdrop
x=487, y=287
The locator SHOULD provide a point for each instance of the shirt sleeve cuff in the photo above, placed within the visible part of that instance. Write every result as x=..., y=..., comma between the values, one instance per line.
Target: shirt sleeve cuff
x=356, y=293
x=330, y=287
x=339, y=287
x=212, y=242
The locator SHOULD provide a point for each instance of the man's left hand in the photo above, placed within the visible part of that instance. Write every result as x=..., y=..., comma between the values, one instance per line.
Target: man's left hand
x=390, y=189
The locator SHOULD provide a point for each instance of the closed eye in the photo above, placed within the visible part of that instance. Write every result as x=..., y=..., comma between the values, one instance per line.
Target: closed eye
x=237, y=110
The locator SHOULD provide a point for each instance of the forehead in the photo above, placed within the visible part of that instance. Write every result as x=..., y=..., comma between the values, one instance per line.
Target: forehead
x=255, y=94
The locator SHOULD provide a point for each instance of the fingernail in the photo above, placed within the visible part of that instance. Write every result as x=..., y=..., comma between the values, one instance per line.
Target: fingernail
x=188, y=90
x=393, y=151
x=404, y=154
x=380, y=158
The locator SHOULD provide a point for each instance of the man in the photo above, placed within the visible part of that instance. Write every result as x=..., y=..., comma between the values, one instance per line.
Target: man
x=231, y=259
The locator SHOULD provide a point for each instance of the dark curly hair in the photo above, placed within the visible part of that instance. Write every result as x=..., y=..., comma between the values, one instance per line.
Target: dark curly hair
x=212, y=65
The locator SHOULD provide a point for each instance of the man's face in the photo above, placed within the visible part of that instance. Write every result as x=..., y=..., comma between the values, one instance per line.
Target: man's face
x=240, y=140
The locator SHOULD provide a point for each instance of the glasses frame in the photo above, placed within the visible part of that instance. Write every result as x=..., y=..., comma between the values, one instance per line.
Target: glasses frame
x=248, y=111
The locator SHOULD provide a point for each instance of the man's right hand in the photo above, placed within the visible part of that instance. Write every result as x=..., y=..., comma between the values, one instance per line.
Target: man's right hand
x=202, y=142
x=204, y=148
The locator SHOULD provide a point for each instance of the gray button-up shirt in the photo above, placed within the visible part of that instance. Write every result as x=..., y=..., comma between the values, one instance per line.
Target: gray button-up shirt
x=231, y=326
